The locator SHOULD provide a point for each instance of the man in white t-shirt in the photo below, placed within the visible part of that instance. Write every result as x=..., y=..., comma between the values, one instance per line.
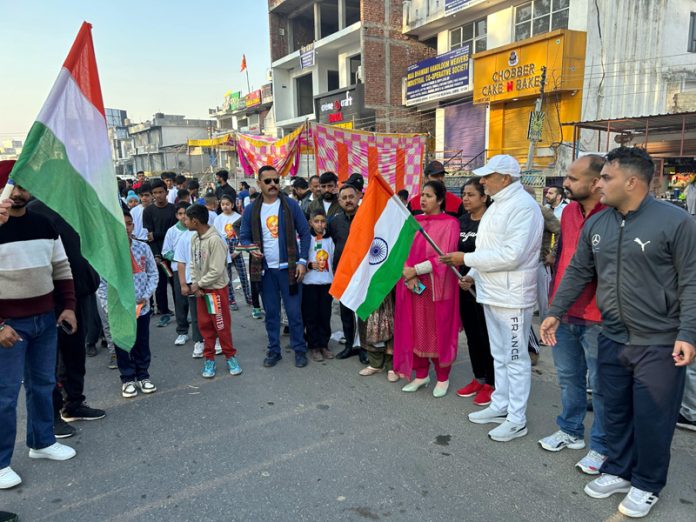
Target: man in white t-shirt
x=145, y=192
x=168, y=178
x=273, y=223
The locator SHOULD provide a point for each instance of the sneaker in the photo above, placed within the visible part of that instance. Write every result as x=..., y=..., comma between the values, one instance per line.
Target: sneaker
x=637, y=503
x=164, y=320
x=591, y=463
x=208, y=369
x=606, y=485
x=181, y=340
x=233, y=366
x=342, y=340
x=685, y=424
x=91, y=350
x=218, y=348
x=113, y=363
x=55, y=451
x=63, y=430
x=507, y=431
x=8, y=478
x=316, y=355
x=300, y=359
x=6, y=516
x=128, y=390
x=272, y=359
x=256, y=313
x=470, y=389
x=198, y=350
x=234, y=307
x=82, y=413
x=483, y=397
x=560, y=440
x=146, y=386
x=487, y=416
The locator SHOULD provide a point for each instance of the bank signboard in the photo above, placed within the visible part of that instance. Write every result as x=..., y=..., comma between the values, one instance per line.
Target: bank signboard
x=438, y=77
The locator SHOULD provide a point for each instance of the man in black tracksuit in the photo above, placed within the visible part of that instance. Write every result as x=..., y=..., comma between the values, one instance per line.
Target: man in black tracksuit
x=642, y=252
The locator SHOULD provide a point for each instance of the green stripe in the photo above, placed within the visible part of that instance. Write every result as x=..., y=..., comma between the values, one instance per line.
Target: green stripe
x=44, y=170
x=387, y=275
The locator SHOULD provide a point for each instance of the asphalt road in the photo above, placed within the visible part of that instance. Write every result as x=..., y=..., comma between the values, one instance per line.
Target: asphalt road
x=319, y=443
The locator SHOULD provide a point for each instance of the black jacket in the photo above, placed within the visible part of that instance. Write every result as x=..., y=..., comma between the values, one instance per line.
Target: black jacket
x=85, y=278
x=645, y=264
x=338, y=230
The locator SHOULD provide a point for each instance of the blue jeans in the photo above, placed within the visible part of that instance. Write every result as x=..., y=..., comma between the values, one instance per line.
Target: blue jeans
x=274, y=285
x=34, y=360
x=574, y=355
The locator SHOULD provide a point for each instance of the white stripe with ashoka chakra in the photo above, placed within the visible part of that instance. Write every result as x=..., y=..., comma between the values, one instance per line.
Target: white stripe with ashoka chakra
x=388, y=228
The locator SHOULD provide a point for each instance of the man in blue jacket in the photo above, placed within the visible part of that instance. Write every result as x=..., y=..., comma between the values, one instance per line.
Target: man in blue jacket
x=642, y=253
x=273, y=222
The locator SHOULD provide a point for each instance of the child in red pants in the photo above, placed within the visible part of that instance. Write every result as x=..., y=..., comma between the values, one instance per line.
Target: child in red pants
x=209, y=284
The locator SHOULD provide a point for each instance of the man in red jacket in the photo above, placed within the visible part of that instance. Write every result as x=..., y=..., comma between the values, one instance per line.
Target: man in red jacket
x=453, y=205
x=576, y=350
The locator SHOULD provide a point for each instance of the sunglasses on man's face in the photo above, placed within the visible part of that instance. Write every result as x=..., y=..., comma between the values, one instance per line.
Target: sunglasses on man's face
x=275, y=181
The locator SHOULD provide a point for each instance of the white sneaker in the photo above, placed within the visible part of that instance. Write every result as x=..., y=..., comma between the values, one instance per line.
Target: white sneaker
x=591, y=463
x=218, y=348
x=508, y=431
x=181, y=340
x=606, y=485
x=56, y=451
x=560, y=440
x=8, y=478
x=128, y=390
x=637, y=503
x=146, y=386
x=487, y=416
x=198, y=350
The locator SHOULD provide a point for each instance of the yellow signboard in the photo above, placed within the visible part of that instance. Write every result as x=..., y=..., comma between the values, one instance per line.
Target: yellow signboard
x=344, y=125
x=514, y=71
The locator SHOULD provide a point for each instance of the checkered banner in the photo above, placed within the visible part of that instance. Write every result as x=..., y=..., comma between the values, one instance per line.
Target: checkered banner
x=397, y=157
x=284, y=154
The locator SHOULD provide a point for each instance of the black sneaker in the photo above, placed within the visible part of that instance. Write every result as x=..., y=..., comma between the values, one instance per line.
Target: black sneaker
x=686, y=424
x=300, y=359
x=63, y=430
x=113, y=363
x=91, y=350
x=6, y=516
x=271, y=359
x=82, y=412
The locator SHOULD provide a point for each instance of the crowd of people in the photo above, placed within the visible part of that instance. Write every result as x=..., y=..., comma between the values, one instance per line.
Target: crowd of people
x=610, y=273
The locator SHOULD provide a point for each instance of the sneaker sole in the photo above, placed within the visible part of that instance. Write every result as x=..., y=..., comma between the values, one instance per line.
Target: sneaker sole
x=635, y=514
x=34, y=455
x=690, y=427
x=574, y=446
x=73, y=419
x=489, y=420
x=146, y=392
x=482, y=403
x=597, y=494
x=196, y=356
x=64, y=436
x=236, y=373
x=8, y=485
x=466, y=395
x=128, y=395
x=208, y=376
x=514, y=436
x=586, y=470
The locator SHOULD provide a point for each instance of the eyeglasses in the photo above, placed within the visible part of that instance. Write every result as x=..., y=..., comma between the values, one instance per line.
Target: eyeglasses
x=275, y=181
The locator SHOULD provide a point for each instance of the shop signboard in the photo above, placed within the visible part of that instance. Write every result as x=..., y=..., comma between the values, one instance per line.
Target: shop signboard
x=232, y=100
x=307, y=56
x=267, y=93
x=452, y=6
x=253, y=98
x=437, y=77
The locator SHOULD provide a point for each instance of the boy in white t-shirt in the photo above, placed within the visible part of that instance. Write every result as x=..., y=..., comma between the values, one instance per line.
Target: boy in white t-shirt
x=171, y=239
x=316, y=300
x=182, y=256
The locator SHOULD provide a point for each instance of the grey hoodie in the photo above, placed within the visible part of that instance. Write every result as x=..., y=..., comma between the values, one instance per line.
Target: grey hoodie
x=645, y=264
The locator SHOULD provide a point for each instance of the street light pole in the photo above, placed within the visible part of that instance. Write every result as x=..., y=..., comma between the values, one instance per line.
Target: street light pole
x=537, y=109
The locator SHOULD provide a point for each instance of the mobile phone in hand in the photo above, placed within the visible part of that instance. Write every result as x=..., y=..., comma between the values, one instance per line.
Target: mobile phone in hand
x=66, y=327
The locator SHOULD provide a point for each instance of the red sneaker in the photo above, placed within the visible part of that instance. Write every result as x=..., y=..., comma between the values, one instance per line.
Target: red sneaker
x=470, y=389
x=483, y=397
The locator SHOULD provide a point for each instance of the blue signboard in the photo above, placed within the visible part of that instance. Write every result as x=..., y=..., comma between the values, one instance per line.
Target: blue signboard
x=437, y=77
x=452, y=6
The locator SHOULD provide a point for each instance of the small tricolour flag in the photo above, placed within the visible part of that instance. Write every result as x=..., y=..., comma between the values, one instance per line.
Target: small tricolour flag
x=373, y=259
x=212, y=303
x=66, y=163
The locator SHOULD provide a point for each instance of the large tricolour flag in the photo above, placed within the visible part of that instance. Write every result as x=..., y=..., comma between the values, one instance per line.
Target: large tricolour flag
x=66, y=163
x=373, y=259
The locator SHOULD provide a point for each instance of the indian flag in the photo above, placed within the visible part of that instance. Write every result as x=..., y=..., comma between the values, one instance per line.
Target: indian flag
x=380, y=238
x=212, y=303
x=66, y=163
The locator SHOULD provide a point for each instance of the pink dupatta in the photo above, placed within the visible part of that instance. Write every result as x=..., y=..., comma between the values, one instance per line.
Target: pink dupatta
x=444, y=230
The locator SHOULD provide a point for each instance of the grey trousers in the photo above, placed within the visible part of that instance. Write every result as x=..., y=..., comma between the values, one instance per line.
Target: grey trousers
x=688, y=407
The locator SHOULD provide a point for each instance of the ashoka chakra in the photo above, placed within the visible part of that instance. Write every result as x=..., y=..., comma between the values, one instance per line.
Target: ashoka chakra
x=378, y=251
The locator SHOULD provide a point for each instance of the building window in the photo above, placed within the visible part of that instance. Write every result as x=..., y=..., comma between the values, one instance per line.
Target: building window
x=472, y=34
x=305, y=99
x=692, y=34
x=540, y=16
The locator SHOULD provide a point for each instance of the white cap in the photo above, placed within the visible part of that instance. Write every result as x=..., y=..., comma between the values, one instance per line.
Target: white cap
x=502, y=164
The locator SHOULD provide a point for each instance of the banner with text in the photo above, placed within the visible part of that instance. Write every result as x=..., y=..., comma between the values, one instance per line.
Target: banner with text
x=434, y=78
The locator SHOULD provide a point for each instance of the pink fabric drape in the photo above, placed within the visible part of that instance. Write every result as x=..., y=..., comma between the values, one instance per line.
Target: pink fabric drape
x=444, y=321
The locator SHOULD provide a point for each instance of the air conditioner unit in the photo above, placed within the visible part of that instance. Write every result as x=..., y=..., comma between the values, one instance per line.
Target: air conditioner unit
x=269, y=75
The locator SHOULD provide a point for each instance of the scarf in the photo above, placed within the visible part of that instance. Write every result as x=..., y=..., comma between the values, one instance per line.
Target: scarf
x=256, y=265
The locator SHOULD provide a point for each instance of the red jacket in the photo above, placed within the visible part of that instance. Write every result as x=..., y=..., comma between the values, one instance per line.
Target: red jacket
x=453, y=205
x=572, y=222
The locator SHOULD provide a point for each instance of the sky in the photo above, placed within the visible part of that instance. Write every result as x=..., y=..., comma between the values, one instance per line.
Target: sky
x=171, y=56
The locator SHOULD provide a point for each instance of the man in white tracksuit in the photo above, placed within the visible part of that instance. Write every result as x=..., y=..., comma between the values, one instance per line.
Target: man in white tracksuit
x=504, y=268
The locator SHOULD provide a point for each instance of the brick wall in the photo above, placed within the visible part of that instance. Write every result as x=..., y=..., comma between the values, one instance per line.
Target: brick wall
x=386, y=54
x=279, y=43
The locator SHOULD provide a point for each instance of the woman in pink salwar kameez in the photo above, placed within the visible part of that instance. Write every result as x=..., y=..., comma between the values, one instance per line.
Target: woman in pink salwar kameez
x=426, y=325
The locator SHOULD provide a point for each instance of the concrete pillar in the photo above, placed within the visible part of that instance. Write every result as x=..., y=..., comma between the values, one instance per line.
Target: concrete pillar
x=341, y=14
x=317, y=21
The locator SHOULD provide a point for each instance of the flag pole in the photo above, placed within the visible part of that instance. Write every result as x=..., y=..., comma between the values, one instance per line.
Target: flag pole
x=246, y=69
